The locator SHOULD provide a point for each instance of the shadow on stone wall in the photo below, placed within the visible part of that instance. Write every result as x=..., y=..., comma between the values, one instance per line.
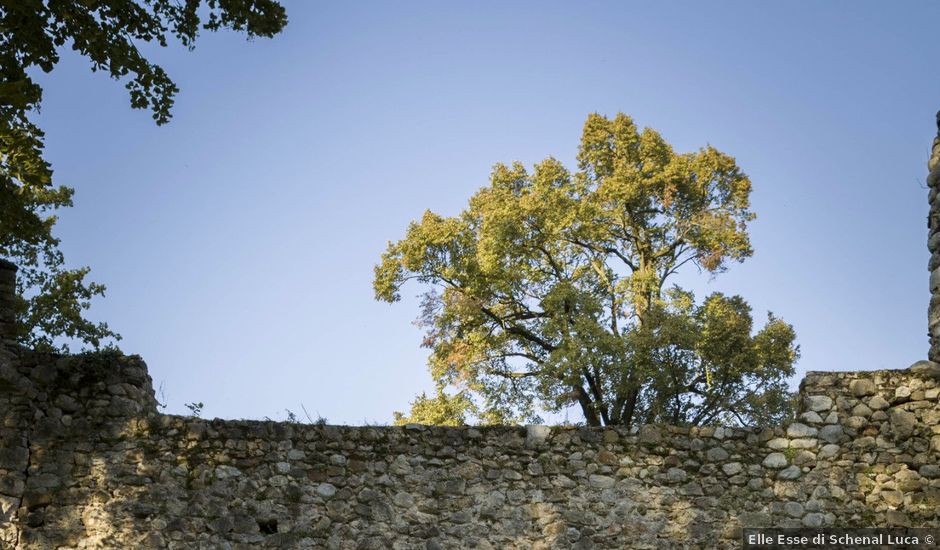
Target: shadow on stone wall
x=106, y=471
x=65, y=418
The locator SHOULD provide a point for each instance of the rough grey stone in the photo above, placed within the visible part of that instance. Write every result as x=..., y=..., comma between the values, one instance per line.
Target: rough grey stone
x=832, y=433
x=793, y=509
x=902, y=422
x=800, y=430
x=716, y=454
x=814, y=519
x=878, y=403
x=775, y=461
x=818, y=403
x=862, y=387
x=675, y=475
x=326, y=490
x=811, y=417
x=602, y=482
x=930, y=471
x=927, y=368
x=856, y=422
x=650, y=434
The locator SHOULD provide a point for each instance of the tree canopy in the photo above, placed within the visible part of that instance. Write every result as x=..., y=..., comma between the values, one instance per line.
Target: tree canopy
x=440, y=410
x=107, y=33
x=551, y=289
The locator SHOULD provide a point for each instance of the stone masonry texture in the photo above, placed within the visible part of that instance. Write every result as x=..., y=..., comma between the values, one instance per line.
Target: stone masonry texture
x=7, y=296
x=933, y=245
x=86, y=461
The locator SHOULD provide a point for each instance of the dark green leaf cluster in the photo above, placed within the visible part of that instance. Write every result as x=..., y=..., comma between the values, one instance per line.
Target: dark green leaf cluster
x=33, y=33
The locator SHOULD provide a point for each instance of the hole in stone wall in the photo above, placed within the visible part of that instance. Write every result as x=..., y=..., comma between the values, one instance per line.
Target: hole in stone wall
x=267, y=526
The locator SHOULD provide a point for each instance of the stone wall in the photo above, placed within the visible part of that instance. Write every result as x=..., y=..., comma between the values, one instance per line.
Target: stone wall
x=933, y=245
x=87, y=462
x=7, y=296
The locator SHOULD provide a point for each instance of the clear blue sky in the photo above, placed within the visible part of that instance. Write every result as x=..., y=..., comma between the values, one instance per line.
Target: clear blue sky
x=237, y=243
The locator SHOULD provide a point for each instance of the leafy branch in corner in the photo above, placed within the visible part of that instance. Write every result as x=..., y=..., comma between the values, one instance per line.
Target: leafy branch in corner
x=53, y=299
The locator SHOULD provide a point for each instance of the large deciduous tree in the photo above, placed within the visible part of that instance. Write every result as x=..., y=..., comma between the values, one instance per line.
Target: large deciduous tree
x=551, y=289
x=107, y=32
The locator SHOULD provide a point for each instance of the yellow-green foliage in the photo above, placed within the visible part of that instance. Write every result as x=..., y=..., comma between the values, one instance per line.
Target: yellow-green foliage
x=550, y=288
x=440, y=410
